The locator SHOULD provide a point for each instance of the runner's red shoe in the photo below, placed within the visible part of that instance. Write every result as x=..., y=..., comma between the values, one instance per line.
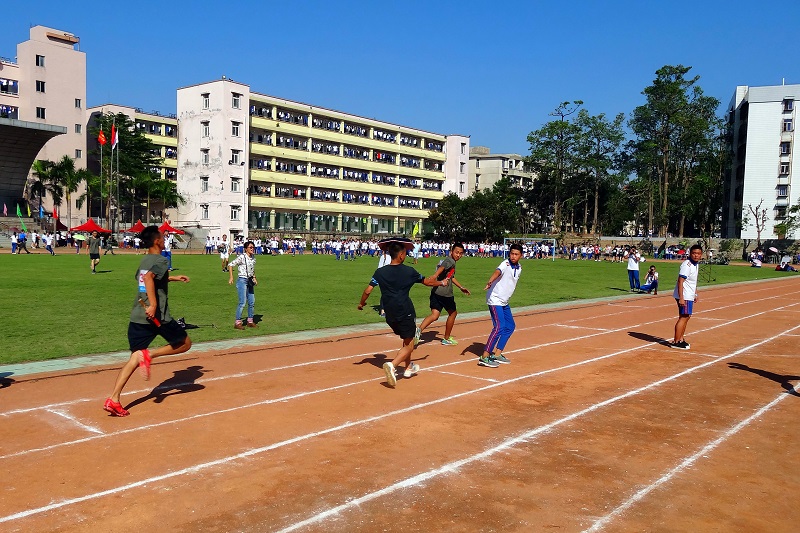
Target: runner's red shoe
x=115, y=408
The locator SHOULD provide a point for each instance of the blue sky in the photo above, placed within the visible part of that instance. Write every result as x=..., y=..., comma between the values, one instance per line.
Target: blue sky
x=491, y=70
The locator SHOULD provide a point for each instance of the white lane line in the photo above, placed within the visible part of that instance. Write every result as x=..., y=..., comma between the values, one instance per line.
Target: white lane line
x=466, y=376
x=686, y=463
x=337, y=387
x=519, y=439
x=687, y=352
x=77, y=422
x=393, y=349
x=580, y=327
x=710, y=318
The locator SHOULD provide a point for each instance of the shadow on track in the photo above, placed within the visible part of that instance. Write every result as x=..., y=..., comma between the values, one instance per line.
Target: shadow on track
x=182, y=382
x=783, y=379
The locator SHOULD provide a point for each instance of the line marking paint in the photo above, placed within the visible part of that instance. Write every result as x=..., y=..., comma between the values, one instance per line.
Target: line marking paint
x=77, y=422
x=450, y=467
x=580, y=327
x=689, y=461
x=466, y=376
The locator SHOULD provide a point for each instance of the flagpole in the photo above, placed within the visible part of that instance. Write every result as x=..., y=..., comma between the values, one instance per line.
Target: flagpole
x=101, y=179
x=111, y=169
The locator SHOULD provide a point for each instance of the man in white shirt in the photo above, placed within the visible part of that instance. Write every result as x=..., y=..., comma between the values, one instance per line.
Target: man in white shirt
x=500, y=287
x=634, y=259
x=685, y=294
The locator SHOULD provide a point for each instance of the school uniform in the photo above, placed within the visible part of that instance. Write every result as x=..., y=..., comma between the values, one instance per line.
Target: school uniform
x=497, y=299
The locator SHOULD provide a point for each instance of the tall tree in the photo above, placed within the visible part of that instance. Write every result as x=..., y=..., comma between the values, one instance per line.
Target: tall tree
x=44, y=183
x=64, y=172
x=553, y=153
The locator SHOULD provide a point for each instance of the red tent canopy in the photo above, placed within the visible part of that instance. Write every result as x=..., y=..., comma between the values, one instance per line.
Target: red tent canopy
x=90, y=226
x=166, y=227
x=136, y=228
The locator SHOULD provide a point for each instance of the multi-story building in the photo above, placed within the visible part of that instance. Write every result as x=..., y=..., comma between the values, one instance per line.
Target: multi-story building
x=161, y=129
x=456, y=167
x=47, y=85
x=761, y=122
x=486, y=169
x=249, y=162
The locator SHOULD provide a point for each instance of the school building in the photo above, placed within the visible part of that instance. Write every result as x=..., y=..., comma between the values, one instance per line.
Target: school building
x=250, y=162
x=761, y=122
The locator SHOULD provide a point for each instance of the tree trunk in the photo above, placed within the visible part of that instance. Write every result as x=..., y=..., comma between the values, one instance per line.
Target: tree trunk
x=596, y=205
x=585, y=228
x=665, y=192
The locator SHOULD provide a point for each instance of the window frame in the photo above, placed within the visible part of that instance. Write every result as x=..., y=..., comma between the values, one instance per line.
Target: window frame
x=41, y=113
x=205, y=129
x=205, y=156
x=203, y=211
x=39, y=60
x=236, y=212
x=78, y=103
x=78, y=128
x=235, y=128
x=78, y=153
x=41, y=86
x=236, y=184
x=236, y=100
x=206, y=100
x=203, y=183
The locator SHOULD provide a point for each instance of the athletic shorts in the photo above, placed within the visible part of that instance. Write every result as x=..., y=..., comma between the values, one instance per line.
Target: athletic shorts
x=405, y=328
x=685, y=310
x=141, y=335
x=94, y=256
x=223, y=256
x=442, y=302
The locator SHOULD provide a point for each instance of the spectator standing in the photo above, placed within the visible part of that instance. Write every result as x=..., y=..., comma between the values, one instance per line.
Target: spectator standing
x=685, y=295
x=633, y=257
x=245, y=284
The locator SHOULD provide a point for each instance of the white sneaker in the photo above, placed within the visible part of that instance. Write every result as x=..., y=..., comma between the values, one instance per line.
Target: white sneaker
x=391, y=379
x=411, y=371
x=417, y=335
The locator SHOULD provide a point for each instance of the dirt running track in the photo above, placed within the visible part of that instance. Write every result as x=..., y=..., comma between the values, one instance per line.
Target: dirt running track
x=594, y=426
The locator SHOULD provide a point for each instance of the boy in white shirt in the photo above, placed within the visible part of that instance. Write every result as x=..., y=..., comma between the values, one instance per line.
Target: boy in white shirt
x=501, y=286
x=685, y=294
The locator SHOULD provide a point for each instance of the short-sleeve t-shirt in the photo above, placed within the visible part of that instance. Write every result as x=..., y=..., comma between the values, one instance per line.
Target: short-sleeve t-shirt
x=688, y=276
x=449, y=265
x=159, y=266
x=94, y=245
x=633, y=261
x=395, y=281
x=503, y=287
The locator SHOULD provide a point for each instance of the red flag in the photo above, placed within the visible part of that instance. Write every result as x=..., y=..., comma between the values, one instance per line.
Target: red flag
x=55, y=212
x=101, y=138
x=114, y=136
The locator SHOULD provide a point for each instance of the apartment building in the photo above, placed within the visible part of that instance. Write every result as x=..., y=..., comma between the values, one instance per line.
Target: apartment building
x=486, y=169
x=249, y=161
x=46, y=84
x=761, y=122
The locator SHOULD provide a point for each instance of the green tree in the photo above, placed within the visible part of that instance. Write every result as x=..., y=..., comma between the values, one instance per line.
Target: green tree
x=44, y=183
x=447, y=218
x=553, y=155
x=69, y=178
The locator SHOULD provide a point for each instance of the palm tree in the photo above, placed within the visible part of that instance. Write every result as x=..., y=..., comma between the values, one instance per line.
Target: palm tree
x=63, y=172
x=46, y=181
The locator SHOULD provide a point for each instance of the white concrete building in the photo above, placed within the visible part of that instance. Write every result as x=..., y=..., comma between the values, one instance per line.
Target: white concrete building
x=47, y=85
x=486, y=169
x=456, y=167
x=762, y=122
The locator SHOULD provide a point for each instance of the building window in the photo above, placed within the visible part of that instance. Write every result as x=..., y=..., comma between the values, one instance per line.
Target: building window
x=784, y=169
x=461, y=167
x=783, y=190
x=477, y=181
x=787, y=124
x=235, y=183
x=40, y=113
x=235, y=157
x=780, y=213
x=235, y=210
x=204, y=184
x=461, y=187
x=785, y=147
x=236, y=100
x=463, y=148
x=39, y=86
x=204, y=211
x=78, y=154
x=78, y=128
x=205, y=129
x=235, y=128
x=78, y=103
x=477, y=163
x=39, y=61
x=204, y=157
x=206, y=100
x=788, y=104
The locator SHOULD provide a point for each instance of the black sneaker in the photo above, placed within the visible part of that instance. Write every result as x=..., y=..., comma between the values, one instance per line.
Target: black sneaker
x=684, y=341
x=680, y=345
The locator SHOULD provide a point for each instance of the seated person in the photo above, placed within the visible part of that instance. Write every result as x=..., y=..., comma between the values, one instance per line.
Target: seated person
x=785, y=266
x=755, y=262
x=650, y=281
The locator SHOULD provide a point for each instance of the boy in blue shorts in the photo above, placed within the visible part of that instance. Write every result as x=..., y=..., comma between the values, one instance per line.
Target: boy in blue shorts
x=149, y=318
x=395, y=281
x=685, y=294
x=500, y=287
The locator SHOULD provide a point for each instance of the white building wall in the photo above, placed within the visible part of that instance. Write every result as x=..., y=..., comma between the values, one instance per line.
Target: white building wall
x=220, y=143
x=456, y=167
x=763, y=158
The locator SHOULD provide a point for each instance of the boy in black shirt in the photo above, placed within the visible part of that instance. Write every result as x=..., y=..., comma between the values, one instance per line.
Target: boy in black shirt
x=395, y=281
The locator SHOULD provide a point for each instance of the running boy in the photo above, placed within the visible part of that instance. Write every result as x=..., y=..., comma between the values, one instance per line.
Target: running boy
x=442, y=297
x=93, y=243
x=501, y=286
x=395, y=281
x=685, y=294
x=149, y=318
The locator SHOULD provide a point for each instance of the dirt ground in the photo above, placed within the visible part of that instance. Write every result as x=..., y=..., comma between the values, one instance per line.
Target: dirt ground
x=595, y=425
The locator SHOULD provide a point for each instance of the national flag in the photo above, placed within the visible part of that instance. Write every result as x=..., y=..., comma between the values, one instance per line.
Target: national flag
x=101, y=138
x=55, y=213
x=5, y=210
x=19, y=213
x=114, y=136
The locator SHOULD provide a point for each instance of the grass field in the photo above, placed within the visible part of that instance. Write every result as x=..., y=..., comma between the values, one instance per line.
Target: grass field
x=53, y=307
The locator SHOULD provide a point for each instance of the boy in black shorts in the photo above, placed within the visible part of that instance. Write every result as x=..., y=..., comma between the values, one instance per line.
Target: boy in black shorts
x=395, y=281
x=149, y=318
x=442, y=297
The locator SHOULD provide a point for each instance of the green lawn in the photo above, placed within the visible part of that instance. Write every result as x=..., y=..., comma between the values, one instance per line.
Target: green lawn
x=53, y=307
